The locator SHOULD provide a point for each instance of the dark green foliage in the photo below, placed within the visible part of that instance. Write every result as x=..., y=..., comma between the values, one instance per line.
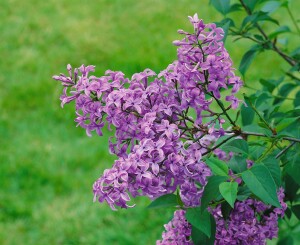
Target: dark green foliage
x=200, y=220
x=243, y=193
x=260, y=182
x=165, y=201
x=217, y=166
x=223, y=6
x=273, y=166
x=238, y=146
x=229, y=192
x=211, y=190
x=200, y=238
x=288, y=240
x=248, y=58
x=238, y=164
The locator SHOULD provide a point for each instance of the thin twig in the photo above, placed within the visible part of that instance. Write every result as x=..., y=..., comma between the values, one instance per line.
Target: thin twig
x=218, y=145
x=224, y=110
x=266, y=136
x=285, y=150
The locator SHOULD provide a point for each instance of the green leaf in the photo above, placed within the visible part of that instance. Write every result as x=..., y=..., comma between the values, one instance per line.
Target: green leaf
x=280, y=30
x=243, y=193
x=257, y=17
x=247, y=114
x=293, y=130
x=273, y=166
x=256, y=151
x=237, y=164
x=259, y=180
x=237, y=145
x=223, y=6
x=262, y=125
x=251, y=4
x=284, y=91
x=226, y=210
x=273, y=112
x=211, y=190
x=199, y=238
x=263, y=101
x=291, y=187
x=247, y=59
x=235, y=7
x=221, y=139
x=297, y=99
x=217, y=166
x=229, y=191
x=271, y=84
x=201, y=220
x=259, y=37
x=168, y=200
x=262, y=16
x=178, y=198
x=286, y=3
x=254, y=128
x=293, y=168
x=271, y=6
x=296, y=210
x=288, y=213
x=287, y=240
x=285, y=122
x=295, y=53
x=283, y=41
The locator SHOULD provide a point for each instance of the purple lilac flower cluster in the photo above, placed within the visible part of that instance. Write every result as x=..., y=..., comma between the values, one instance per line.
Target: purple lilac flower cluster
x=250, y=222
x=158, y=142
x=204, y=67
x=178, y=231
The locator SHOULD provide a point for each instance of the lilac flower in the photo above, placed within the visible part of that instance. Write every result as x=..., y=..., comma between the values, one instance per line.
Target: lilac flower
x=166, y=128
x=178, y=231
x=237, y=83
x=133, y=102
x=147, y=122
x=234, y=101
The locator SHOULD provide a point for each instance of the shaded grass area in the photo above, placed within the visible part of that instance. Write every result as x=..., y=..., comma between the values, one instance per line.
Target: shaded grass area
x=47, y=165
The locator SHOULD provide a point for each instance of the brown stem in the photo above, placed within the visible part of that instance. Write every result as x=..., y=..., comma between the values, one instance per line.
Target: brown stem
x=266, y=136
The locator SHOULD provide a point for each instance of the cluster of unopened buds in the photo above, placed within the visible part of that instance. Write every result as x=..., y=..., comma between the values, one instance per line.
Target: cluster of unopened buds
x=164, y=124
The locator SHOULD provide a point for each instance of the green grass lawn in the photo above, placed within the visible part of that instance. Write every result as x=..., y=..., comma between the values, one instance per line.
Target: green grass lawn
x=47, y=165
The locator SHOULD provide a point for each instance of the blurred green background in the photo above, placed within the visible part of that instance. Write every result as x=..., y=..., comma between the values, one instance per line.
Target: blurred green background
x=47, y=165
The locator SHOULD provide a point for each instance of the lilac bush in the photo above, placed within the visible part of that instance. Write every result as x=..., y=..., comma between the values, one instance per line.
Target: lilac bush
x=177, y=142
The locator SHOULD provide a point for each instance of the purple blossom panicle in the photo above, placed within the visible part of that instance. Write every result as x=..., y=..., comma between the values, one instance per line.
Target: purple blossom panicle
x=204, y=67
x=178, y=231
x=250, y=222
x=158, y=142
x=152, y=169
x=164, y=124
